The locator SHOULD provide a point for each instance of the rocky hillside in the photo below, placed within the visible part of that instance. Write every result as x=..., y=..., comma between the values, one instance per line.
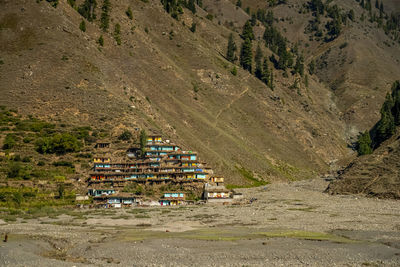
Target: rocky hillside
x=166, y=75
x=375, y=175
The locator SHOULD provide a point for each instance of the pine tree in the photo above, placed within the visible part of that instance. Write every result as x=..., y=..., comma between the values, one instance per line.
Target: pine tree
x=368, y=5
x=253, y=20
x=172, y=7
x=246, y=55
x=234, y=71
x=396, y=100
x=334, y=28
x=271, y=80
x=191, y=6
x=193, y=27
x=265, y=72
x=87, y=9
x=54, y=3
x=239, y=3
x=82, y=26
x=269, y=18
x=351, y=15
x=386, y=125
x=128, y=12
x=101, y=40
x=117, y=33
x=105, y=15
x=257, y=60
x=311, y=67
x=364, y=144
x=230, y=53
x=306, y=81
x=381, y=11
x=299, y=67
x=247, y=32
x=362, y=18
x=71, y=3
x=376, y=4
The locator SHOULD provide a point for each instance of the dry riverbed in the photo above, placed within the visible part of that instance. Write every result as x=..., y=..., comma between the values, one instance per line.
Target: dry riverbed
x=289, y=224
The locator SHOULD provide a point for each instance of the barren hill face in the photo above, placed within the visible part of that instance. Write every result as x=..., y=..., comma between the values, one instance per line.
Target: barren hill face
x=166, y=78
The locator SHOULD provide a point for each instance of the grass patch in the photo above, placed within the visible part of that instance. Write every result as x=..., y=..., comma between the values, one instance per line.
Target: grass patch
x=248, y=176
x=231, y=234
x=142, y=216
x=138, y=211
x=317, y=236
x=200, y=234
x=125, y=217
x=307, y=209
x=165, y=211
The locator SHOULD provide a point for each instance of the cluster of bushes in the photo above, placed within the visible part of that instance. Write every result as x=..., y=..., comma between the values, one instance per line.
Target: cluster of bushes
x=10, y=141
x=17, y=170
x=63, y=164
x=33, y=125
x=34, y=199
x=58, y=143
x=16, y=196
x=134, y=188
x=125, y=135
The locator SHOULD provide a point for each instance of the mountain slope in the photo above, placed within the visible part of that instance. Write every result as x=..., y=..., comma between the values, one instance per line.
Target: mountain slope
x=167, y=79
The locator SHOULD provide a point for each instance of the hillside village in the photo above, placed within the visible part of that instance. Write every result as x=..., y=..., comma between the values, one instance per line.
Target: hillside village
x=170, y=176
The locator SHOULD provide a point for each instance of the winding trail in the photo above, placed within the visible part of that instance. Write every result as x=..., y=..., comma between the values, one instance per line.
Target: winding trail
x=230, y=104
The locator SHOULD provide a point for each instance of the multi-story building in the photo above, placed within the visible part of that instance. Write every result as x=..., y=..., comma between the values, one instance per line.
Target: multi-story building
x=163, y=162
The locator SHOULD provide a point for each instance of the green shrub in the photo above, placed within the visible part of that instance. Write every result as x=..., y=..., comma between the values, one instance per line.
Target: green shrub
x=343, y=45
x=54, y=3
x=193, y=28
x=125, y=136
x=61, y=190
x=14, y=170
x=84, y=155
x=58, y=143
x=81, y=132
x=71, y=3
x=33, y=125
x=27, y=140
x=63, y=164
x=105, y=15
x=88, y=9
x=82, y=26
x=234, y=71
x=9, y=141
x=128, y=12
x=17, y=158
x=117, y=33
x=364, y=144
x=101, y=40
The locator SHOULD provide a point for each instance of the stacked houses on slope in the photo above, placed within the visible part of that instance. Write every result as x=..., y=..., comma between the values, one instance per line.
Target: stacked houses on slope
x=163, y=163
